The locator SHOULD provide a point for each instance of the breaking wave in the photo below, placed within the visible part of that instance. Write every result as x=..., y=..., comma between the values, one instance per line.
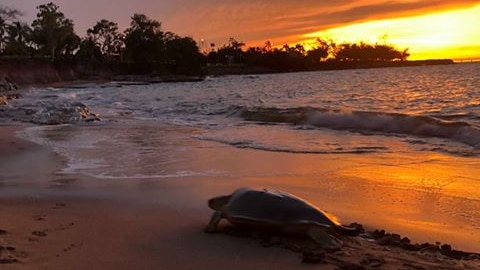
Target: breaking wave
x=368, y=122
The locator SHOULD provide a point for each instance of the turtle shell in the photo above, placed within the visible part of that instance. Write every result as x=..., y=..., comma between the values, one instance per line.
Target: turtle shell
x=274, y=208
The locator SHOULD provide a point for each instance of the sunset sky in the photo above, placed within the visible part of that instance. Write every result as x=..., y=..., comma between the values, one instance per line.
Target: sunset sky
x=429, y=28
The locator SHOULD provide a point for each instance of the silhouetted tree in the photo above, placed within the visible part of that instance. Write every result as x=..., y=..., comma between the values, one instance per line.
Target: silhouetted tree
x=255, y=56
x=267, y=47
x=18, y=39
x=3, y=31
x=231, y=53
x=89, y=51
x=320, y=51
x=106, y=36
x=19, y=32
x=7, y=15
x=404, y=55
x=183, y=56
x=144, y=42
x=235, y=45
x=144, y=48
x=212, y=57
x=53, y=33
x=367, y=53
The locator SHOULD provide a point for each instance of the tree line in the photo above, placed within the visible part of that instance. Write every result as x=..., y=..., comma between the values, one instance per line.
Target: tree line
x=142, y=48
x=321, y=54
x=145, y=48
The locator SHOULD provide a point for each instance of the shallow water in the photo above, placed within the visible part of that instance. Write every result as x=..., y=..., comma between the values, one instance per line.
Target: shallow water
x=432, y=108
x=406, y=139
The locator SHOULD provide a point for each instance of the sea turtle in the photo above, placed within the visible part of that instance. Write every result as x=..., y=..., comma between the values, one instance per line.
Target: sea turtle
x=276, y=211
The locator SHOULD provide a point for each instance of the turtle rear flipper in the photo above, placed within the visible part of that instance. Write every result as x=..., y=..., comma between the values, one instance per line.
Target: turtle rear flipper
x=324, y=239
x=351, y=230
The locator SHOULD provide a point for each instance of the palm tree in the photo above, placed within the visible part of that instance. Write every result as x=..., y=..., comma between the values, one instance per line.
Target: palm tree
x=6, y=15
x=17, y=39
x=3, y=31
x=19, y=32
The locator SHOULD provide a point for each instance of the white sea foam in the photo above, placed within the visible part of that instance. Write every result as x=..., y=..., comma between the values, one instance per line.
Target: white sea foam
x=369, y=122
x=69, y=147
x=177, y=174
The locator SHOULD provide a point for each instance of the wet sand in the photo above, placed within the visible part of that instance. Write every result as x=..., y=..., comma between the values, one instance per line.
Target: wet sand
x=62, y=221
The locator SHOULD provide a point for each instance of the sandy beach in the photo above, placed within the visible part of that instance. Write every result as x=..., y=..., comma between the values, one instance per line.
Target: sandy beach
x=56, y=221
x=236, y=135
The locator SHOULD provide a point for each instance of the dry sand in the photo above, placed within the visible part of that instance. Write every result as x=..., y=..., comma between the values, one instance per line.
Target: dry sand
x=54, y=221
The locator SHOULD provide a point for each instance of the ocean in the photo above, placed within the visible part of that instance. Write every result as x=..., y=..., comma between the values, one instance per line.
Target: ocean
x=415, y=130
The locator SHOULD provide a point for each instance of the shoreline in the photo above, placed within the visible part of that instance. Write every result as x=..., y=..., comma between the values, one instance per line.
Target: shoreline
x=241, y=69
x=37, y=72
x=52, y=220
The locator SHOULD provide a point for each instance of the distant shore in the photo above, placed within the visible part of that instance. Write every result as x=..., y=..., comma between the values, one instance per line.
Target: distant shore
x=237, y=69
x=27, y=72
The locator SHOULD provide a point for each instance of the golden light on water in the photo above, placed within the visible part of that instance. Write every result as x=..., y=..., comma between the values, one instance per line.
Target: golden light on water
x=449, y=34
x=435, y=178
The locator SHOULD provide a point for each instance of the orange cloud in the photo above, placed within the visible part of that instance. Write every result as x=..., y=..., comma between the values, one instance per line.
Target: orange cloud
x=255, y=21
x=447, y=34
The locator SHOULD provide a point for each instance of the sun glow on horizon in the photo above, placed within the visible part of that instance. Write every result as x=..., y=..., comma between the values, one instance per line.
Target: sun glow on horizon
x=449, y=34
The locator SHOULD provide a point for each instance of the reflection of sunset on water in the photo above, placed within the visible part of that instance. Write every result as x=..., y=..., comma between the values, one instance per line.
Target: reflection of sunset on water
x=416, y=195
x=430, y=174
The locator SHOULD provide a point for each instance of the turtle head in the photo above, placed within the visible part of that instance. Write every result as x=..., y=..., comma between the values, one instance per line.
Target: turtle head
x=218, y=203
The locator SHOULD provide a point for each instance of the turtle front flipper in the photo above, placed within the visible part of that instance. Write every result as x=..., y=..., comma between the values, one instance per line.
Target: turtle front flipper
x=324, y=239
x=212, y=226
